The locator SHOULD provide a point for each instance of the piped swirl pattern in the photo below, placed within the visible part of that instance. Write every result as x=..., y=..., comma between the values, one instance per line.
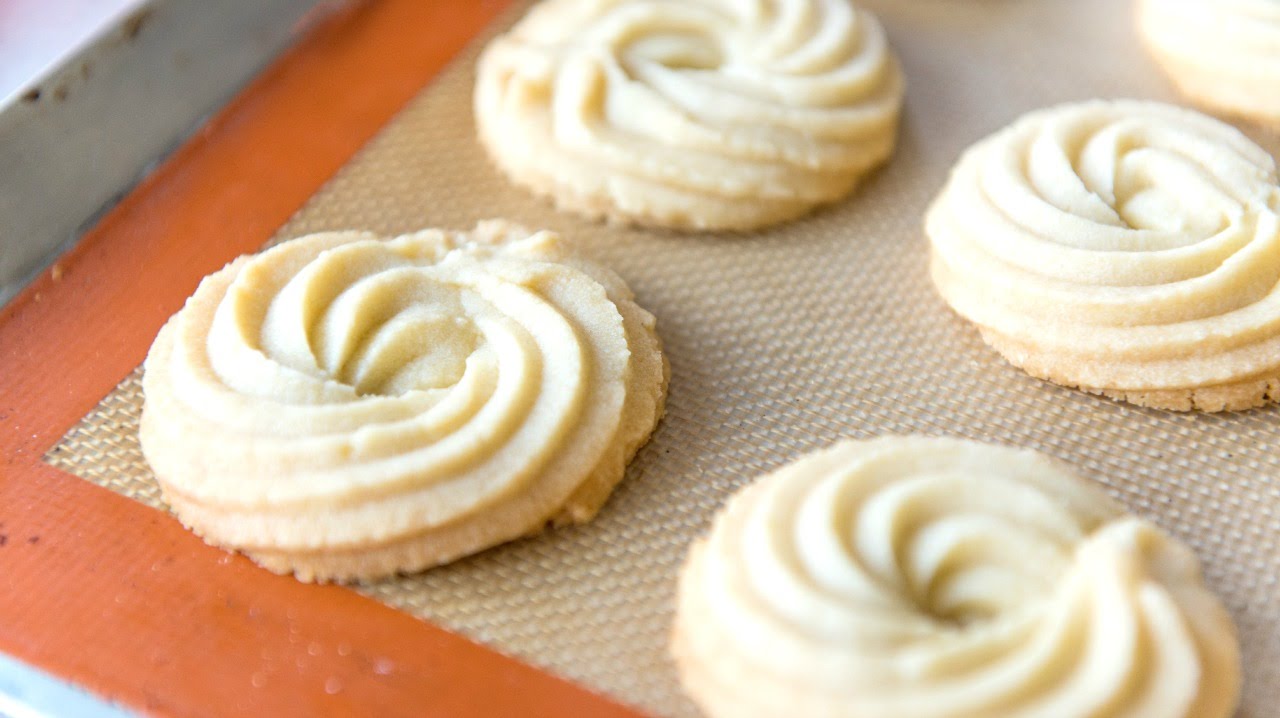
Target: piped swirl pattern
x=937, y=578
x=1222, y=53
x=705, y=114
x=343, y=406
x=1127, y=248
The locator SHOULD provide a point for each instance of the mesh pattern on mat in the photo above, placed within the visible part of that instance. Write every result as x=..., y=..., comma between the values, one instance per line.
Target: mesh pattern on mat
x=783, y=341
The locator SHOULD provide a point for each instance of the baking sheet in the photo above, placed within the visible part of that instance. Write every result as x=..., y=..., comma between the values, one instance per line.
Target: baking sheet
x=785, y=340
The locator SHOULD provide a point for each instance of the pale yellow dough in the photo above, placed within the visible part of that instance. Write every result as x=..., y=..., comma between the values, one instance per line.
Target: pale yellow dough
x=696, y=114
x=937, y=578
x=344, y=406
x=1127, y=248
x=1224, y=54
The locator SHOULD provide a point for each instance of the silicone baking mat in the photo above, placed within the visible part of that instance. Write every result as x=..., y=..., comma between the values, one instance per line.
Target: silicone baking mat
x=785, y=340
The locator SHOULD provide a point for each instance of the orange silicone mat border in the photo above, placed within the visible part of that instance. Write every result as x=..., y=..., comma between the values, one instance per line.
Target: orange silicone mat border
x=117, y=597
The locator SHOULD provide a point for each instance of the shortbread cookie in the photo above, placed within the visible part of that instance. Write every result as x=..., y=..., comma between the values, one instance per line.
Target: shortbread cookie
x=346, y=407
x=1224, y=54
x=1130, y=249
x=936, y=578
x=694, y=114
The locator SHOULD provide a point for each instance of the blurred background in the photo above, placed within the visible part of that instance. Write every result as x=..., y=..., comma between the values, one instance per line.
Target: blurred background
x=94, y=92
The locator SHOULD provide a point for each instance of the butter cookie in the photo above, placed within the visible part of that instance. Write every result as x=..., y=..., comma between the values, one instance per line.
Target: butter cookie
x=692, y=114
x=343, y=406
x=1131, y=249
x=937, y=578
x=1223, y=54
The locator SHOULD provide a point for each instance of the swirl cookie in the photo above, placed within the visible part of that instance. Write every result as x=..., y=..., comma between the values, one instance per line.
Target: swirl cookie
x=344, y=407
x=1130, y=249
x=934, y=578
x=695, y=114
x=1224, y=54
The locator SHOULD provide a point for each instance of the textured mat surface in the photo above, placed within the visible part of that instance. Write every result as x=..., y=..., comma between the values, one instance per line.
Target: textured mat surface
x=780, y=342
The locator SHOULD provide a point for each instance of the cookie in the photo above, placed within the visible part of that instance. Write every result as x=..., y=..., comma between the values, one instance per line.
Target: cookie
x=1130, y=249
x=344, y=406
x=937, y=578
x=1223, y=54
x=697, y=114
